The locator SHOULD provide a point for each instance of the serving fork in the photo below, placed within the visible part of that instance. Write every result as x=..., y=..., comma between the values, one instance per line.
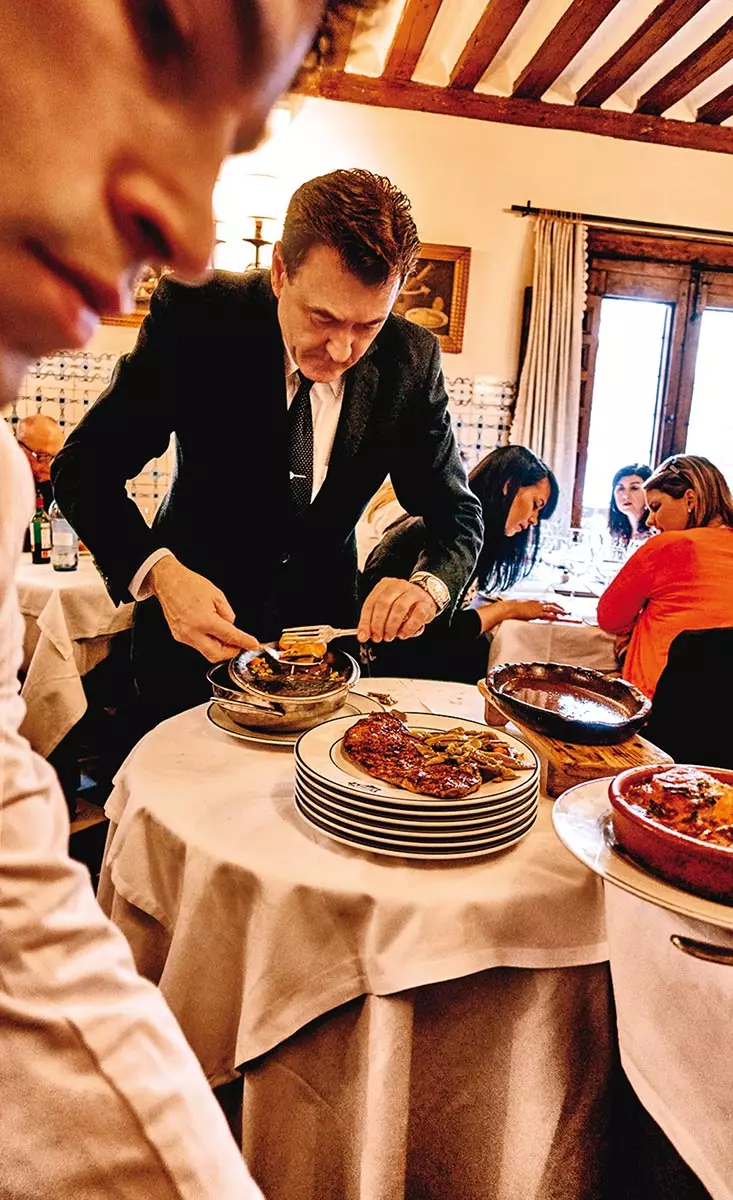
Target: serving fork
x=312, y=633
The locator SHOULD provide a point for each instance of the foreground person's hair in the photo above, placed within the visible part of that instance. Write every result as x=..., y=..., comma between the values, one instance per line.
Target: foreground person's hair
x=362, y=216
x=713, y=500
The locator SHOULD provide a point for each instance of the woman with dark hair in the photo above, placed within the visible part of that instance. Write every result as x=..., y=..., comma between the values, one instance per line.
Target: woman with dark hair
x=682, y=578
x=627, y=510
x=516, y=491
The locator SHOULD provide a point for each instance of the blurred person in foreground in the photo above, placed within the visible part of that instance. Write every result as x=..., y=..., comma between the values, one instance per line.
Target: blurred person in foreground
x=682, y=578
x=517, y=491
x=305, y=355
x=115, y=118
x=627, y=509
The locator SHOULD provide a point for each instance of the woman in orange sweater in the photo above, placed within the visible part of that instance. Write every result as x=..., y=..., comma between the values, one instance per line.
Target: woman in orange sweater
x=680, y=579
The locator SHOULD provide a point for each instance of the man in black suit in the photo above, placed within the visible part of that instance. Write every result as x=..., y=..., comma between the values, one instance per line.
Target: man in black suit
x=322, y=393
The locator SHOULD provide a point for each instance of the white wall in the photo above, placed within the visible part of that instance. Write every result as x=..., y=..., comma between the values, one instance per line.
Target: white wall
x=462, y=175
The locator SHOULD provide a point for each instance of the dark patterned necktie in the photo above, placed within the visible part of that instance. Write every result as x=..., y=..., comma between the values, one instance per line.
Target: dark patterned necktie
x=300, y=446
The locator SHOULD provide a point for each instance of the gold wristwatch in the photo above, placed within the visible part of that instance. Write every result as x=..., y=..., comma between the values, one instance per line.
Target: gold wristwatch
x=435, y=588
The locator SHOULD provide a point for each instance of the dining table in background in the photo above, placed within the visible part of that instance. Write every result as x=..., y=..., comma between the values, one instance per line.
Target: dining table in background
x=405, y=1029
x=70, y=622
x=580, y=642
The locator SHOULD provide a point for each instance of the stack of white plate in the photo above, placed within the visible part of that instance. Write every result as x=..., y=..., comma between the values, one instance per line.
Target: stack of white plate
x=337, y=797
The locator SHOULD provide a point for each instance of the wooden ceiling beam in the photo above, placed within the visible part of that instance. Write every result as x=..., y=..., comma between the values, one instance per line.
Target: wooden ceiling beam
x=449, y=102
x=413, y=29
x=718, y=109
x=693, y=70
x=577, y=24
x=666, y=19
x=498, y=19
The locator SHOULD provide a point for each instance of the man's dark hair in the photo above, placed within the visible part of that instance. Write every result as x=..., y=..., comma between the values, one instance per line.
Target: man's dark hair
x=362, y=216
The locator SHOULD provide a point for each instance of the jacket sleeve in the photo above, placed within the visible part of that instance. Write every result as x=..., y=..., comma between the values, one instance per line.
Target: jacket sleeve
x=130, y=423
x=626, y=595
x=430, y=481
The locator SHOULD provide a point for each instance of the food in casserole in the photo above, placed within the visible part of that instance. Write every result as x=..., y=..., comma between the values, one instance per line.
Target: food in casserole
x=687, y=800
x=572, y=702
x=301, y=651
x=296, y=680
x=447, y=763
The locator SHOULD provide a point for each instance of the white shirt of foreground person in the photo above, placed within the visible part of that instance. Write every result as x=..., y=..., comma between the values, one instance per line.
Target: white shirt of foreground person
x=100, y=1095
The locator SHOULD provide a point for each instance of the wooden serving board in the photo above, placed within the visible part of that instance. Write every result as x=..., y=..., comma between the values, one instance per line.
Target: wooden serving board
x=566, y=763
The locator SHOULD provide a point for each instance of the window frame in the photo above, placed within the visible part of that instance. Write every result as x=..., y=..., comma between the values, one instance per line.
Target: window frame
x=687, y=274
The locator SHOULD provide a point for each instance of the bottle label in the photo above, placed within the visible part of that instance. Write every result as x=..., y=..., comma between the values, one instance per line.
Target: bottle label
x=64, y=538
x=45, y=537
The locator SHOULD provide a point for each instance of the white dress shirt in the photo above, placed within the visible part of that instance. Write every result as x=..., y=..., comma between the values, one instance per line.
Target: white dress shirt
x=326, y=402
x=100, y=1094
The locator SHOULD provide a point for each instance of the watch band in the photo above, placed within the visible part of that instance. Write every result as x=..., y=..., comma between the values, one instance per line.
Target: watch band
x=436, y=589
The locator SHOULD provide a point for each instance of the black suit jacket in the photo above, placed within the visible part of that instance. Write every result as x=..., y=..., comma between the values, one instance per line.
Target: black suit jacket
x=209, y=367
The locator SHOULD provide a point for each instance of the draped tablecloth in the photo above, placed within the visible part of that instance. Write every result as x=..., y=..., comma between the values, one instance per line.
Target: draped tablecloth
x=70, y=622
x=582, y=644
x=420, y=1029
x=674, y=1027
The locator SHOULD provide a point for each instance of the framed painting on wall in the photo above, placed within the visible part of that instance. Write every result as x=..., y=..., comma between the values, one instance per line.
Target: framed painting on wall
x=435, y=296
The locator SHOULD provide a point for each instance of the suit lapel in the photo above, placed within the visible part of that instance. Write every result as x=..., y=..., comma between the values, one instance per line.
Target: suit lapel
x=270, y=418
x=356, y=410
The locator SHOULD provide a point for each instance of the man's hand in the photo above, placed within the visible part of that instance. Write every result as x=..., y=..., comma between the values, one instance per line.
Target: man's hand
x=198, y=614
x=395, y=608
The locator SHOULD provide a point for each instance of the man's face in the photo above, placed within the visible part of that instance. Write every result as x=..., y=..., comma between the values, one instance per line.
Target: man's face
x=327, y=316
x=115, y=119
x=41, y=439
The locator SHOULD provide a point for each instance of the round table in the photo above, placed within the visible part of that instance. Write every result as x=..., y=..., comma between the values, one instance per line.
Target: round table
x=70, y=621
x=418, y=1028
x=581, y=643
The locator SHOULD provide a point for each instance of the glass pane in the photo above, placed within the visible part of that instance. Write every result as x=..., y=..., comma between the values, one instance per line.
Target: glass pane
x=711, y=416
x=631, y=344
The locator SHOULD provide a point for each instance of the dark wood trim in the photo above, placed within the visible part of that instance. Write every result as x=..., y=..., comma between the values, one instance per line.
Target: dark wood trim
x=416, y=21
x=667, y=19
x=577, y=24
x=452, y=102
x=494, y=26
x=591, y=324
x=608, y=243
x=718, y=109
x=692, y=71
x=671, y=376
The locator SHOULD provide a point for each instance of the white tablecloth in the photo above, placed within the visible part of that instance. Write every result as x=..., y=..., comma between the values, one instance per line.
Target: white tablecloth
x=70, y=622
x=581, y=645
x=674, y=1026
x=262, y=933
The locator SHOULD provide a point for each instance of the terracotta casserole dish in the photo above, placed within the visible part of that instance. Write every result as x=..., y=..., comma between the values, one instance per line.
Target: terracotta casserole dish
x=650, y=822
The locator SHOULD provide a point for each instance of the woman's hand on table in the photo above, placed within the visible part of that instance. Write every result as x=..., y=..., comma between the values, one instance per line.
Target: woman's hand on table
x=518, y=610
x=197, y=612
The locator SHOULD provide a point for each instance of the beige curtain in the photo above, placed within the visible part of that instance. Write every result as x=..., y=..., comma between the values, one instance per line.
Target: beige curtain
x=548, y=398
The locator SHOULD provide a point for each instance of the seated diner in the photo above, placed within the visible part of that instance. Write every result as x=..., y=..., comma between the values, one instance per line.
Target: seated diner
x=683, y=578
x=516, y=491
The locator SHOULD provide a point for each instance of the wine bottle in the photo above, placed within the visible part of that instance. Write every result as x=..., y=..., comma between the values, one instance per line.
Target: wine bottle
x=40, y=534
x=64, y=542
